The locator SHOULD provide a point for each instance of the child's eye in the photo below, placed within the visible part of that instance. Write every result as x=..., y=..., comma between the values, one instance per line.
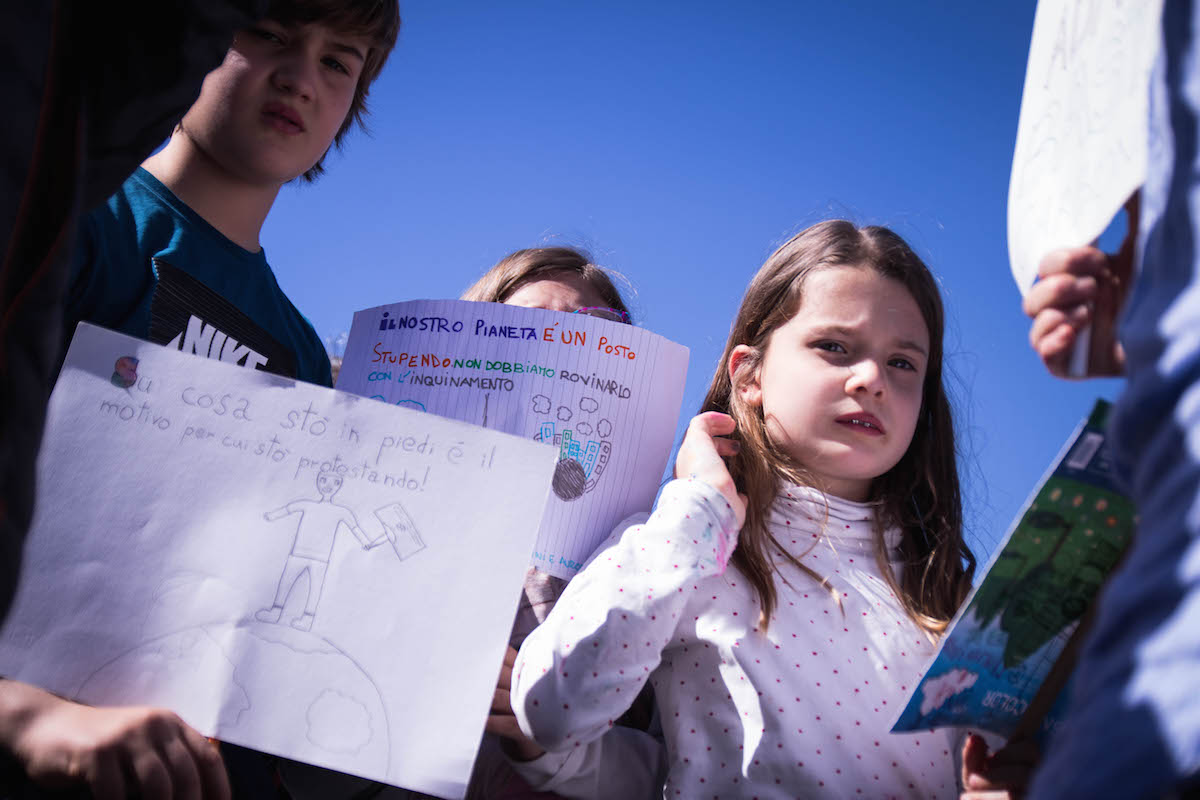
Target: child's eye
x=266, y=35
x=831, y=347
x=335, y=65
x=903, y=363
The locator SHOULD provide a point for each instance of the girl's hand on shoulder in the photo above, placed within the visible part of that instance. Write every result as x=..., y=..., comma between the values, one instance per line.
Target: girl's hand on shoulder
x=501, y=719
x=1003, y=775
x=702, y=456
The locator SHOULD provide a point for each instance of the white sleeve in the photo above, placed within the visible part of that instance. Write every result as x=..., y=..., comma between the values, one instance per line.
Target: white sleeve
x=625, y=763
x=583, y=667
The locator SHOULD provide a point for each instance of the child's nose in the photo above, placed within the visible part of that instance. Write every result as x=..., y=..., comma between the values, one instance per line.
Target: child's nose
x=295, y=73
x=865, y=376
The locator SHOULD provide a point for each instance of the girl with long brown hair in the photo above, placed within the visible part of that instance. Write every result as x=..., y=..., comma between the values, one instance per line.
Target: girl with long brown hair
x=788, y=589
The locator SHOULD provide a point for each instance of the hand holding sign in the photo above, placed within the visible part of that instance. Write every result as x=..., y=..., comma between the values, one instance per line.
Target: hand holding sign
x=1082, y=290
x=1081, y=146
x=250, y=607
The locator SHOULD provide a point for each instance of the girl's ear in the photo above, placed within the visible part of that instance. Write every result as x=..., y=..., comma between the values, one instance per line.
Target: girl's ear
x=743, y=374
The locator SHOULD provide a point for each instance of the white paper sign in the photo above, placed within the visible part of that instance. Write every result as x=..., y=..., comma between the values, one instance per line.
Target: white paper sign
x=1082, y=138
x=605, y=394
x=289, y=568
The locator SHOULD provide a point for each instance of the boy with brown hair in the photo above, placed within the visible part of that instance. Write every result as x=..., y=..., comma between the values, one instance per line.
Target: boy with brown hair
x=174, y=257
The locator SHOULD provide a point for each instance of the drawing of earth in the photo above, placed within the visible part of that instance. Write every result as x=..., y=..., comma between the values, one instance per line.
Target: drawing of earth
x=340, y=715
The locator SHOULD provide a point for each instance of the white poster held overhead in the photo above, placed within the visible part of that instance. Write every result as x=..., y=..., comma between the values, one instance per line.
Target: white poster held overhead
x=289, y=568
x=1082, y=137
x=605, y=394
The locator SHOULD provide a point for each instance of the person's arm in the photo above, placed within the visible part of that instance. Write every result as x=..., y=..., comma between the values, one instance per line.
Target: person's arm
x=584, y=666
x=114, y=753
x=624, y=762
x=350, y=521
x=277, y=513
x=1080, y=288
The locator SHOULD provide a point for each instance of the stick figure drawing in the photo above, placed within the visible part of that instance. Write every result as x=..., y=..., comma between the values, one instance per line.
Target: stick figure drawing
x=319, y=523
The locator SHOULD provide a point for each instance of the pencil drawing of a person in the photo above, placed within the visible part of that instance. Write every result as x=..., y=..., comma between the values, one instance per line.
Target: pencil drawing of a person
x=319, y=523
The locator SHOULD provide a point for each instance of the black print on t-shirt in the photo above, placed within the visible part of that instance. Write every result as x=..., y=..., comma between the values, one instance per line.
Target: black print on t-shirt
x=187, y=315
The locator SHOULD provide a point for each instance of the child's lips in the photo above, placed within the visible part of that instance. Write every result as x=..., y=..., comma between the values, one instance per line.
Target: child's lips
x=864, y=423
x=283, y=117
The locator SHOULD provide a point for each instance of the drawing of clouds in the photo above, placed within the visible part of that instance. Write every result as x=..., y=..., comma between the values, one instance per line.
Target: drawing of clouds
x=937, y=691
x=338, y=723
x=564, y=414
x=604, y=428
x=583, y=428
x=541, y=404
x=588, y=404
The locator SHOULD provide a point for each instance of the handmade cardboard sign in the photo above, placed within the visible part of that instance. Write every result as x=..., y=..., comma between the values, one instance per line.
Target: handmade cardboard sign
x=290, y=568
x=605, y=394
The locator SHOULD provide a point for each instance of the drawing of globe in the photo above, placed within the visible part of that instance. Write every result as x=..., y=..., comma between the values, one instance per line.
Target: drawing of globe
x=335, y=716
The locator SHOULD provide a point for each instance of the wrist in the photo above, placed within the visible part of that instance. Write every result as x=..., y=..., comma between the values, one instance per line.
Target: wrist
x=21, y=706
x=723, y=485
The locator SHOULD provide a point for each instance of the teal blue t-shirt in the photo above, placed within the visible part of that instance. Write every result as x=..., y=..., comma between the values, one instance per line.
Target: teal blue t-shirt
x=148, y=266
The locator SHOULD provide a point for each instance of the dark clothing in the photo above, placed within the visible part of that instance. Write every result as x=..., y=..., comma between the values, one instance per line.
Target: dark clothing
x=1134, y=726
x=88, y=90
x=149, y=266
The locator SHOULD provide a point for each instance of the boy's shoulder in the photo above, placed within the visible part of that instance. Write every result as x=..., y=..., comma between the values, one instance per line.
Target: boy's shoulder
x=149, y=266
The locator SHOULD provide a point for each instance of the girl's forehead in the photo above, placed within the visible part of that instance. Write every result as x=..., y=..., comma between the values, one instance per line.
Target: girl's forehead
x=559, y=291
x=858, y=297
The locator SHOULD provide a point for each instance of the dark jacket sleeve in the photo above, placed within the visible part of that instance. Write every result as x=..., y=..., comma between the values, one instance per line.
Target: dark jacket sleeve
x=89, y=90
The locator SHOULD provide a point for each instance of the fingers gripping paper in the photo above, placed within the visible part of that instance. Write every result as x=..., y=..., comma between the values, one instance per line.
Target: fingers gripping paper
x=288, y=567
x=1081, y=141
x=604, y=394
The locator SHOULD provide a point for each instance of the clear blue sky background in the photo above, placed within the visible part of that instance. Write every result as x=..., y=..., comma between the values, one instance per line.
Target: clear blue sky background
x=681, y=143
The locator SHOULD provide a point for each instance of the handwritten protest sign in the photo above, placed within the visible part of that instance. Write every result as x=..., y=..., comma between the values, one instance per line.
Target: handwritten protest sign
x=290, y=568
x=1081, y=140
x=605, y=394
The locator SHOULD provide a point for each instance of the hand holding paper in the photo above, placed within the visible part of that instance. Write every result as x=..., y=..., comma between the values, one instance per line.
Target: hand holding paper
x=1081, y=145
x=112, y=752
x=251, y=609
x=1081, y=291
x=996, y=776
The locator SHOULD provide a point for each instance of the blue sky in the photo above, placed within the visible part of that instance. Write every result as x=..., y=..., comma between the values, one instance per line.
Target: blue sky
x=681, y=143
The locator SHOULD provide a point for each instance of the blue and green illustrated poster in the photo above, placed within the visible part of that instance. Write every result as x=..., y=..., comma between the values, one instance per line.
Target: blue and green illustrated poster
x=1037, y=587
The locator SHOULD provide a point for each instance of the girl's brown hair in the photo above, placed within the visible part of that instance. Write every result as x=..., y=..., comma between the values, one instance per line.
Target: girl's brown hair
x=541, y=263
x=920, y=495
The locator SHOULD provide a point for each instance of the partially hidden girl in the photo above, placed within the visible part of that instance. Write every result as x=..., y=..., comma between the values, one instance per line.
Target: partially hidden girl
x=510, y=766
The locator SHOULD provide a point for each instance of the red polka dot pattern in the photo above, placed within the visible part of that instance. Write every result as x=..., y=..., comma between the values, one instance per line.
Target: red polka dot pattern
x=802, y=710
